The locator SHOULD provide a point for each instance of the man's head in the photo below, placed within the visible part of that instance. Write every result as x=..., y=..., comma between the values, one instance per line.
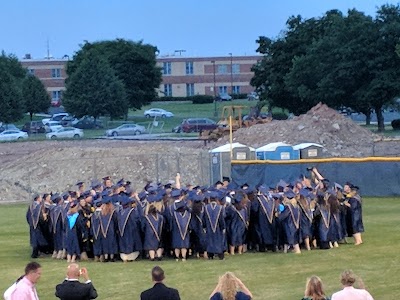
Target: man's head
x=157, y=274
x=348, y=278
x=73, y=271
x=33, y=271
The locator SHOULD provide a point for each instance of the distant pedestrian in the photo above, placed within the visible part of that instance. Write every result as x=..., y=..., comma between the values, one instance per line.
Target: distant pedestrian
x=25, y=288
x=159, y=291
x=348, y=278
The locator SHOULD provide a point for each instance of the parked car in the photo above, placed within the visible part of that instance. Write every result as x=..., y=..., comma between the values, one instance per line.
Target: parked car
x=13, y=135
x=253, y=96
x=88, y=122
x=224, y=97
x=197, y=125
x=158, y=112
x=68, y=121
x=4, y=127
x=34, y=127
x=56, y=117
x=65, y=133
x=52, y=126
x=126, y=129
x=177, y=129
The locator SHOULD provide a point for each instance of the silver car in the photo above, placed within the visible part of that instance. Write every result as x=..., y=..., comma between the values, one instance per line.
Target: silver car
x=126, y=129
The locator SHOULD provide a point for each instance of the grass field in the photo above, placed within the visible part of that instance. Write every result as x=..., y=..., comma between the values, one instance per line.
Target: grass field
x=268, y=275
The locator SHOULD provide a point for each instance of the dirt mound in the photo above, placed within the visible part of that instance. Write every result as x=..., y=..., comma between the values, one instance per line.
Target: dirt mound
x=340, y=136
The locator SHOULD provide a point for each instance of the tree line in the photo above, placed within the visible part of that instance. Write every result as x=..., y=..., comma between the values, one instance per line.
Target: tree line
x=347, y=60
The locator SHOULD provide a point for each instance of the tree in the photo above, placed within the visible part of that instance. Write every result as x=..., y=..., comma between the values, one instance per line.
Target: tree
x=11, y=75
x=35, y=96
x=133, y=62
x=93, y=89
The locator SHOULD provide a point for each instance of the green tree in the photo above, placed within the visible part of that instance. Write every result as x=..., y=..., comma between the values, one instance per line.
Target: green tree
x=11, y=76
x=35, y=96
x=93, y=89
x=133, y=62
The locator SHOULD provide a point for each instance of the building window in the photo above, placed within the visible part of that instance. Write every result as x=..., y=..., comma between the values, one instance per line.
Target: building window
x=189, y=68
x=236, y=89
x=168, y=89
x=189, y=89
x=235, y=68
x=56, y=95
x=223, y=89
x=56, y=73
x=222, y=69
x=167, y=68
x=31, y=71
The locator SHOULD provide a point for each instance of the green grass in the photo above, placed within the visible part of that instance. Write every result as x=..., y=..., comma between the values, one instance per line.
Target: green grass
x=268, y=275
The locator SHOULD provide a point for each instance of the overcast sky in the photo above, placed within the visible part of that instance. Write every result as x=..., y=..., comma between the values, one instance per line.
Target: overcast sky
x=200, y=27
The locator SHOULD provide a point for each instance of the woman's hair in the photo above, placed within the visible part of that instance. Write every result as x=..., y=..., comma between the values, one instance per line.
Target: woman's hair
x=228, y=286
x=348, y=278
x=334, y=204
x=314, y=288
x=107, y=209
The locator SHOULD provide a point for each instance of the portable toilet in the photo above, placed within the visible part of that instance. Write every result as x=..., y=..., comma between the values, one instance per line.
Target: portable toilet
x=309, y=150
x=277, y=151
x=220, y=159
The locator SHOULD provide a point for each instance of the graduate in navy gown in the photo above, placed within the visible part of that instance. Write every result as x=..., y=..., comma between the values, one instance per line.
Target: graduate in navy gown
x=322, y=216
x=58, y=225
x=214, y=223
x=74, y=232
x=198, y=236
x=264, y=208
x=290, y=218
x=307, y=214
x=335, y=228
x=129, y=230
x=35, y=217
x=180, y=230
x=237, y=221
x=109, y=229
x=95, y=232
x=152, y=227
x=354, y=203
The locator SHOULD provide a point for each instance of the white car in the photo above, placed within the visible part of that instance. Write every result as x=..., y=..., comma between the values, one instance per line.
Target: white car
x=13, y=135
x=52, y=126
x=158, y=112
x=65, y=133
x=56, y=117
x=126, y=129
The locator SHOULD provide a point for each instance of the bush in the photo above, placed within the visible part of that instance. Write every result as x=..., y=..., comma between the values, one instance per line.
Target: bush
x=201, y=99
x=279, y=116
x=396, y=124
x=171, y=98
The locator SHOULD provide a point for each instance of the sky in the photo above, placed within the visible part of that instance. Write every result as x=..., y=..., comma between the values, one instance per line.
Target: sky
x=199, y=27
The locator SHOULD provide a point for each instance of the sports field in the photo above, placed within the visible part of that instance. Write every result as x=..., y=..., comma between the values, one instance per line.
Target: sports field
x=267, y=275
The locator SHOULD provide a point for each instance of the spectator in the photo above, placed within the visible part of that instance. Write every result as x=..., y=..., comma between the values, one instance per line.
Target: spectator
x=25, y=289
x=230, y=287
x=314, y=289
x=348, y=278
x=72, y=288
x=159, y=290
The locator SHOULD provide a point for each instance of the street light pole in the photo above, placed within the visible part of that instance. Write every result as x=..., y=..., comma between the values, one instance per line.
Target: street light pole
x=231, y=73
x=215, y=91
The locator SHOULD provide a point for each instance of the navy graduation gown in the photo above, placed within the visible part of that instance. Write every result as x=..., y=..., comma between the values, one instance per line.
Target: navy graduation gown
x=152, y=226
x=290, y=218
x=129, y=230
x=306, y=219
x=34, y=217
x=356, y=214
x=265, y=226
x=109, y=228
x=95, y=232
x=198, y=237
x=74, y=235
x=179, y=227
x=57, y=227
x=214, y=222
x=236, y=225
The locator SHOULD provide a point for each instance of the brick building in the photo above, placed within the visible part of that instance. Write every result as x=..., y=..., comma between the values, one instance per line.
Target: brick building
x=181, y=76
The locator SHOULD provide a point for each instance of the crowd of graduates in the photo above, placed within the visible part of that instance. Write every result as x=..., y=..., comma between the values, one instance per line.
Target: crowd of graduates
x=113, y=221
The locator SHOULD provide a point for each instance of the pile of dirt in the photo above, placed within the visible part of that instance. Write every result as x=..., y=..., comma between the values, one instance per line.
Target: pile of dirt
x=340, y=136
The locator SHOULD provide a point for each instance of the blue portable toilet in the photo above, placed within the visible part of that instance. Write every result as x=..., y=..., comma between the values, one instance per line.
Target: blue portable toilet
x=277, y=151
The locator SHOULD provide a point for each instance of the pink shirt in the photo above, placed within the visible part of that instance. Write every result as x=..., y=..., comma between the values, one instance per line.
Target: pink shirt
x=25, y=291
x=350, y=293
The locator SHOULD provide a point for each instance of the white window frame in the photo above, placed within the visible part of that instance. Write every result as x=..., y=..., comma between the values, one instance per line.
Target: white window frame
x=190, y=89
x=167, y=68
x=168, y=90
x=56, y=73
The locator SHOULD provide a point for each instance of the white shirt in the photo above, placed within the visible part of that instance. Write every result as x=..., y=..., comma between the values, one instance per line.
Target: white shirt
x=350, y=293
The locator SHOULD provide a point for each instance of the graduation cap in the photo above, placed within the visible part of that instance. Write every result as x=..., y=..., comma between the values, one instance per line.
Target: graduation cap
x=282, y=184
x=98, y=203
x=73, y=193
x=73, y=204
x=180, y=204
x=198, y=198
x=304, y=192
x=176, y=193
x=65, y=195
x=153, y=198
x=106, y=199
x=55, y=198
x=168, y=186
x=237, y=198
x=95, y=183
x=106, y=178
x=289, y=194
x=218, y=182
x=226, y=179
x=105, y=193
x=244, y=186
x=338, y=186
x=142, y=195
x=263, y=189
x=125, y=200
x=79, y=183
x=121, y=182
x=86, y=193
x=212, y=194
x=127, y=183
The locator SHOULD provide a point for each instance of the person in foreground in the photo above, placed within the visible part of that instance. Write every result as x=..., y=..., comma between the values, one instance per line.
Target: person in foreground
x=72, y=288
x=230, y=287
x=25, y=288
x=348, y=278
x=159, y=291
x=314, y=289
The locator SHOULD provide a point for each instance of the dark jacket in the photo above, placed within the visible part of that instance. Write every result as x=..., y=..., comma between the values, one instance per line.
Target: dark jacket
x=75, y=290
x=160, y=292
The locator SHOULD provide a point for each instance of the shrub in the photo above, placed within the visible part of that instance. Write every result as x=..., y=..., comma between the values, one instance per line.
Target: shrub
x=279, y=116
x=396, y=124
x=201, y=99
